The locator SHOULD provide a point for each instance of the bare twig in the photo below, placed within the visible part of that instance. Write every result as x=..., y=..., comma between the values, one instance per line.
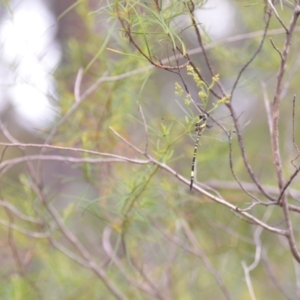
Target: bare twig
x=235, y=176
x=258, y=254
x=297, y=273
x=272, y=277
x=232, y=185
x=293, y=134
x=36, y=235
x=253, y=204
x=251, y=59
x=127, y=31
x=199, y=189
x=290, y=76
x=267, y=106
x=193, y=241
x=19, y=214
x=6, y=165
x=145, y=127
x=235, y=120
x=71, y=149
x=207, y=60
x=68, y=253
x=248, y=281
x=276, y=48
x=197, y=251
x=277, y=15
x=77, y=85
x=289, y=181
x=78, y=245
x=148, y=288
x=275, y=135
x=276, y=101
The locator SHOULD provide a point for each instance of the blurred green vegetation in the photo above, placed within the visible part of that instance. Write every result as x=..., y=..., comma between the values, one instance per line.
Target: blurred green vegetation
x=147, y=208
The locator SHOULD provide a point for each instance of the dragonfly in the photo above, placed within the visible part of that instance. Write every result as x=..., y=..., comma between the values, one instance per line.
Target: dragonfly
x=199, y=128
x=218, y=134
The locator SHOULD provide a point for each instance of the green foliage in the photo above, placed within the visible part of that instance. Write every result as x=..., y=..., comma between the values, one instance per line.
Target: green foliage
x=159, y=231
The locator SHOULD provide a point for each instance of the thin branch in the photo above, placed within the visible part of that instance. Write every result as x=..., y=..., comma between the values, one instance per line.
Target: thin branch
x=258, y=253
x=233, y=232
x=63, y=148
x=253, y=204
x=207, y=60
x=149, y=288
x=276, y=101
x=235, y=120
x=232, y=39
x=235, y=176
x=253, y=56
x=36, y=235
x=6, y=165
x=277, y=15
x=74, y=107
x=127, y=30
x=293, y=133
x=276, y=48
x=297, y=275
x=198, y=252
x=289, y=181
x=68, y=253
x=104, y=78
x=7, y=134
x=272, y=277
x=232, y=185
x=205, y=259
x=12, y=243
x=228, y=40
x=77, y=85
x=292, y=74
x=78, y=245
x=196, y=70
x=199, y=189
x=21, y=265
x=19, y=214
x=267, y=107
x=248, y=281
x=145, y=127
x=275, y=135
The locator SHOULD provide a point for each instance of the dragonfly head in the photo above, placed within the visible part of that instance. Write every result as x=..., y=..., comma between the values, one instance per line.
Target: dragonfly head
x=201, y=124
x=203, y=117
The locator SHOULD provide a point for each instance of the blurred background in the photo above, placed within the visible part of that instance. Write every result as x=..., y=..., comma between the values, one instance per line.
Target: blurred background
x=32, y=39
x=144, y=229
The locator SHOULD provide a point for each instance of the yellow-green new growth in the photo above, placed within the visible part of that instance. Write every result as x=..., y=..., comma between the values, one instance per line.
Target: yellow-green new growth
x=178, y=90
x=216, y=78
x=187, y=100
x=203, y=95
x=224, y=100
x=204, y=90
x=191, y=72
